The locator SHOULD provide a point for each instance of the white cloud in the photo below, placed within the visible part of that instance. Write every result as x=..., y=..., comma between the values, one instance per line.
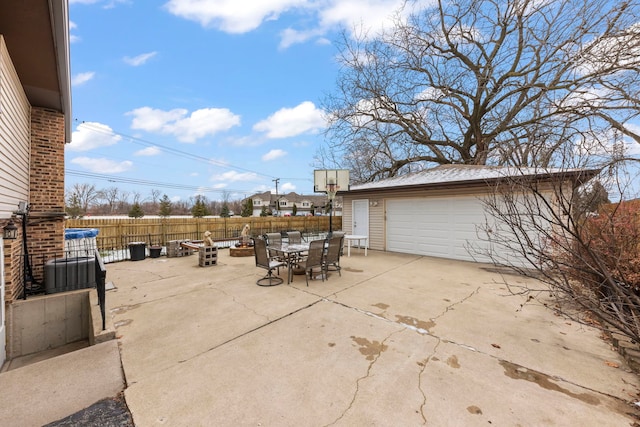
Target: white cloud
x=232, y=16
x=290, y=36
x=273, y=155
x=139, y=59
x=287, y=187
x=288, y=122
x=74, y=39
x=102, y=165
x=82, y=78
x=91, y=135
x=106, y=5
x=148, y=152
x=233, y=176
x=351, y=14
x=186, y=128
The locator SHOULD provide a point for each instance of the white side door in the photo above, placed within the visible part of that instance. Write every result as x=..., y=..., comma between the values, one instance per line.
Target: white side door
x=360, y=220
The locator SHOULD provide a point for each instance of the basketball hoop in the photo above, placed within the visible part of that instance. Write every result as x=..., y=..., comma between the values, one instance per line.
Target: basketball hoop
x=330, y=181
x=332, y=188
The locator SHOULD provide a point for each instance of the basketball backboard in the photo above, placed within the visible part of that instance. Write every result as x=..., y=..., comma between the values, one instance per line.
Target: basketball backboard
x=323, y=177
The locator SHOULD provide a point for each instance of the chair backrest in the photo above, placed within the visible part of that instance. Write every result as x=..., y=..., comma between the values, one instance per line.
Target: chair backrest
x=335, y=247
x=338, y=234
x=316, y=253
x=295, y=237
x=274, y=239
x=260, y=251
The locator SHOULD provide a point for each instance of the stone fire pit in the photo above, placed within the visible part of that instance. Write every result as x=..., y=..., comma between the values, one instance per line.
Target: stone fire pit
x=240, y=250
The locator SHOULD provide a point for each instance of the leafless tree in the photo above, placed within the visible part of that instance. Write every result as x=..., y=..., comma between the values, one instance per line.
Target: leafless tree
x=82, y=194
x=123, y=202
x=484, y=82
x=586, y=258
x=110, y=197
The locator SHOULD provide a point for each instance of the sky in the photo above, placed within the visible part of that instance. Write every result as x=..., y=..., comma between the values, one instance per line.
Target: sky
x=215, y=97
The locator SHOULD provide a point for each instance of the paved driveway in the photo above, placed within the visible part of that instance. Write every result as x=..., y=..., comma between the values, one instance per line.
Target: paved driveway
x=396, y=340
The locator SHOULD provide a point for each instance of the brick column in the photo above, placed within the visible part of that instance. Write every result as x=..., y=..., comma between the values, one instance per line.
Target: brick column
x=45, y=228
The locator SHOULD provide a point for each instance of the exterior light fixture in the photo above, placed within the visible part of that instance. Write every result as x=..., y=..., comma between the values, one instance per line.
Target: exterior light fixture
x=10, y=231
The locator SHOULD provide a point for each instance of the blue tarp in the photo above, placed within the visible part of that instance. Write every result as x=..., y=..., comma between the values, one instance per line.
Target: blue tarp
x=79, y=233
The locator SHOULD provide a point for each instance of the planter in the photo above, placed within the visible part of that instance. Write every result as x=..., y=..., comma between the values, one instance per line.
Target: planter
x=137, y=251
x=154, y=251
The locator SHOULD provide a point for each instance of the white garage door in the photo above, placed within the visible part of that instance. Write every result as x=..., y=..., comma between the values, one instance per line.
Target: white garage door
x=440, y=227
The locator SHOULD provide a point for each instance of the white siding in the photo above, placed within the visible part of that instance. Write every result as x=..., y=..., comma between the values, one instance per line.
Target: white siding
x=15, y=136
x=442, y=222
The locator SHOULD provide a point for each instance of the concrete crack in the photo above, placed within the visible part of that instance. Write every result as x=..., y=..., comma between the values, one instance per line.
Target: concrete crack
x=374, y=359
x=250, y=331
x=233, y=298
x=463, y=300
x=423, y=367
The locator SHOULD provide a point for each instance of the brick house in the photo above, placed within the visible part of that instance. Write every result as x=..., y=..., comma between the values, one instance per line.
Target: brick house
x=283, y=204
x=35, y=124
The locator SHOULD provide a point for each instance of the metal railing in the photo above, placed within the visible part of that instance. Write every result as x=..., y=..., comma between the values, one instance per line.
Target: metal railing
x=101, y=285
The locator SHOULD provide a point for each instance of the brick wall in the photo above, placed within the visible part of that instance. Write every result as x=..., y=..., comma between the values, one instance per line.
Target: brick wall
x=46, y=225
x=45, y=228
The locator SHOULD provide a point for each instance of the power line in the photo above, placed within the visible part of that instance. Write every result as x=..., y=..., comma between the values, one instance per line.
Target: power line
x=146, y=183
x=181, y=153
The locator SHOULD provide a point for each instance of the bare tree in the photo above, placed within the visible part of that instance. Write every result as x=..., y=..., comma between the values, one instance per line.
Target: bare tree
x=586, y=257
x=484, y=82
x=123, y=202
x=155, y=196
x=83, y=195
x=110, y=197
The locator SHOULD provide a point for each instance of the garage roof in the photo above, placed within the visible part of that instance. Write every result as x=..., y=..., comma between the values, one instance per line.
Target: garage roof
x=452, y=175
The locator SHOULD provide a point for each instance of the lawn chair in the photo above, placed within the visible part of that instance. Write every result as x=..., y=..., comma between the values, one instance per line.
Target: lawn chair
x=295, y=237
x=274, y=239
x=334, y=250
x=314, y=259
x=264, y=261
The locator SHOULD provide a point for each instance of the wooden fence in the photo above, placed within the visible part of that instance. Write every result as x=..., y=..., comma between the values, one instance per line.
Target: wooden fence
x=117, y=233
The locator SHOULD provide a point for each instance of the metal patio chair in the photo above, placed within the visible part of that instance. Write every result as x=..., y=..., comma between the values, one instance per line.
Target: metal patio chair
x=264, y=261
x=332, y=257
x=314, y=259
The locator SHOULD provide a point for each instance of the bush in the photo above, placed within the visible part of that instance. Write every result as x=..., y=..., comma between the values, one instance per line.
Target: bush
x=612, y=239
x=605, y=264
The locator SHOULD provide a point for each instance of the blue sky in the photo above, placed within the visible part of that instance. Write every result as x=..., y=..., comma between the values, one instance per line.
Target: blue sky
x=204, y=96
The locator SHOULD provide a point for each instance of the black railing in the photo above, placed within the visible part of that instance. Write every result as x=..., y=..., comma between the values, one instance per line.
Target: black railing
x=113, y=249
x=101, y=283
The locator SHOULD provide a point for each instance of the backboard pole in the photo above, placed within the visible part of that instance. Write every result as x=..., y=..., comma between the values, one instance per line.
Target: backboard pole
x=330, y=181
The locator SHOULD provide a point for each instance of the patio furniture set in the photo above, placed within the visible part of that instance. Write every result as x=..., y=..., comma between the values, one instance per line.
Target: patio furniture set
x=316, y=256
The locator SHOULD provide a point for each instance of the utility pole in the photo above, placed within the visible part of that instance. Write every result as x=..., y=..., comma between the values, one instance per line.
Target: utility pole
x=277, y=180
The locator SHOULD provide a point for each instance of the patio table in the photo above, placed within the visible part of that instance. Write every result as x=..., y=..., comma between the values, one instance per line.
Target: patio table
x=353, y=237
x=288, y=251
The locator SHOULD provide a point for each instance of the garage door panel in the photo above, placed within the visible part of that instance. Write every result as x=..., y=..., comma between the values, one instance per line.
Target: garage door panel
x=441, y=227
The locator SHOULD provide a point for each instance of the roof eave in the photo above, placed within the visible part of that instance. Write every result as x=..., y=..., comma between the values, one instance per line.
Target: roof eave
x=60, y=20
x=576, y=176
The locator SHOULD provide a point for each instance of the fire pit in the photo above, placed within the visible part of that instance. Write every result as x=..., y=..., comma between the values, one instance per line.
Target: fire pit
x=241, y=249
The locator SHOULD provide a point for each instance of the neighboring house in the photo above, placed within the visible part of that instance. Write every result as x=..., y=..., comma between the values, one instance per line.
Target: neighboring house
x=35, y=124
x=436, y=212
x=282, y=204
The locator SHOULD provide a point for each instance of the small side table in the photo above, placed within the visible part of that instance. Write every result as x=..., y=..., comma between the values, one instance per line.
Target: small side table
x=353, y=237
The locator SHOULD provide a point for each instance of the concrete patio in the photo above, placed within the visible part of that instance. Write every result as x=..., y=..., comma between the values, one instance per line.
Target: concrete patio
x=396, y=340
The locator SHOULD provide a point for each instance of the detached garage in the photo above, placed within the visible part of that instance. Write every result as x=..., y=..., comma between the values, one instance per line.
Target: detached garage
x=437, y=212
